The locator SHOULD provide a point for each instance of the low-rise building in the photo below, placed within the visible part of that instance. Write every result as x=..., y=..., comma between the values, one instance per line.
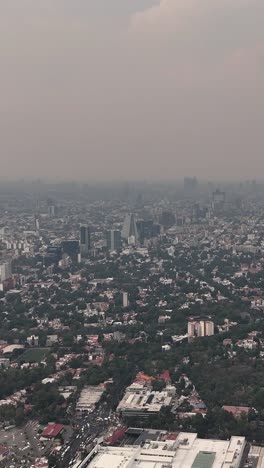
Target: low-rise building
x=89, y=397
x=52, y=431
x=141, y=401
x=187, y=451
x=33, y=340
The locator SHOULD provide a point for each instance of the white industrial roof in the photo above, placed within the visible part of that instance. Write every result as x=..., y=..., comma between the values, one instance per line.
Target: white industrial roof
x=175, y=454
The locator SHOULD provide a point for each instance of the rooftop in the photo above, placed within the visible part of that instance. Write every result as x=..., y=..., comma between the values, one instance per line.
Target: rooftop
x=187, y=451
x=52, y=430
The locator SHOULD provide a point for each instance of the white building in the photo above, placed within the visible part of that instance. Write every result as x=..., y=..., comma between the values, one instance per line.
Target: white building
x=129, y=231
x=33, y=340
x=187, y=451
x=5, y=271
x=142, y=401
x=89, y=396
x=206, y=328
x=200, y=328
x=125, y=299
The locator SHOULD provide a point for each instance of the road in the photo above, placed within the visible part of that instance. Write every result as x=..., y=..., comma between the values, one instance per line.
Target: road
x=89, y=429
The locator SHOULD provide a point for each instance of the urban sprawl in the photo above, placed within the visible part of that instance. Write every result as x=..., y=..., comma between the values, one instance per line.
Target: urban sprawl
x=131, y=325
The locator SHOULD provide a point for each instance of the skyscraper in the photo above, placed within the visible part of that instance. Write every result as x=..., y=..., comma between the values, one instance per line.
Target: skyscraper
x=147, y=229
x=85, y=239
x=129, y=231
x=52, y=209
x=5, y=271
x=190, y=184
x=206, y=328
x=113, y=240
x=218, y=200
x=71, y=247
x=167, y=219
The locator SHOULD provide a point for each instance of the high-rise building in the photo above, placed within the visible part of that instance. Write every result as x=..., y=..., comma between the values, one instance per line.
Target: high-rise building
x=37, y=224
x=218, y=200
x=5, y=271
x=199, y=328
x=147, y=229
x=129, y=231
x=85, y=239
x=190, y=184
x=113, y=240
x=71, y=247
x=125, y=299
x=167, y=219
x=192, y=329
x=206, y=328
x=52, y=209
x=54, y=253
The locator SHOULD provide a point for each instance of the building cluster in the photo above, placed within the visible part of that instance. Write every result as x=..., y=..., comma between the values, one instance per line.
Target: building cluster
x=200, y=328
x=87, y=283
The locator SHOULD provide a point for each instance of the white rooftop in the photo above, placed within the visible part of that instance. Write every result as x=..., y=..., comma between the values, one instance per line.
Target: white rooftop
x=181, y=453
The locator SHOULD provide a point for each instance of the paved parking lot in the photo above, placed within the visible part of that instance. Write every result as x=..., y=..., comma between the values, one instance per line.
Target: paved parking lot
x=23, y=444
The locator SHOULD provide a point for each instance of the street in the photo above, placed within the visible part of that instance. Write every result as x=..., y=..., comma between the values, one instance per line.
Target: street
x=90, y=428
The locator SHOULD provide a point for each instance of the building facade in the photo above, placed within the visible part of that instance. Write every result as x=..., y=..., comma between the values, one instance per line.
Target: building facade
x=85, y=239
x=113, y=240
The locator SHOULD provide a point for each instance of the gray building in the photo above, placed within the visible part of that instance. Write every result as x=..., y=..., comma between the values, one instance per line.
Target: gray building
x=85, y=239
x=129, y=231
x=113, y=240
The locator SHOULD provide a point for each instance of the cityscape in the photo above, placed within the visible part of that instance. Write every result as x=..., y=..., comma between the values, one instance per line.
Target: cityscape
x=132, y=234
x=132, y=327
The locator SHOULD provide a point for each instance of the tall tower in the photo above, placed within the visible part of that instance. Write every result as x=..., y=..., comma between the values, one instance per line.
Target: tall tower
x=113, y=240
x=125, y=299
x=85, y=239
x=129, y=231
x=37, y=224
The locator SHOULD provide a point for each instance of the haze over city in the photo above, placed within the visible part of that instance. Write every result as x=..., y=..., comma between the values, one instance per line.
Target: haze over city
x=96, y=90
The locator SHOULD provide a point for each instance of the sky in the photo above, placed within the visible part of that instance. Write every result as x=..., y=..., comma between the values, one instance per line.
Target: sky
x=131, y=89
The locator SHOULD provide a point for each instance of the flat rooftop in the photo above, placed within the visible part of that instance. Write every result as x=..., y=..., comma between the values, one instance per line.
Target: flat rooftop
x=187, y=451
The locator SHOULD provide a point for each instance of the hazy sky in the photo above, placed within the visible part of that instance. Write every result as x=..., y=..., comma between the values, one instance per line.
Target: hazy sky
x=101, y=89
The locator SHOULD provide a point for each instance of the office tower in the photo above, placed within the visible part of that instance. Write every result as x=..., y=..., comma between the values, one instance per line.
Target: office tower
x=129, y=231
x=190, y=184
x=5, y=271
x=37, y=224
x=218, y=200
x=167, y=219
x=71, y=247
x=51, y=209
x=54, y=253
x=85, y=239
x=125, y=299
x=113, y=240
x=147, y=229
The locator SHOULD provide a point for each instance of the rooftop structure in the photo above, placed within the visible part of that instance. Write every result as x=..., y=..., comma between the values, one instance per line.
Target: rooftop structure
x=141, y=401
x=129, y=231
x=41, y=463
x=52, y=431
x=237, y=411
x=187, y=451
x=90, y=395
